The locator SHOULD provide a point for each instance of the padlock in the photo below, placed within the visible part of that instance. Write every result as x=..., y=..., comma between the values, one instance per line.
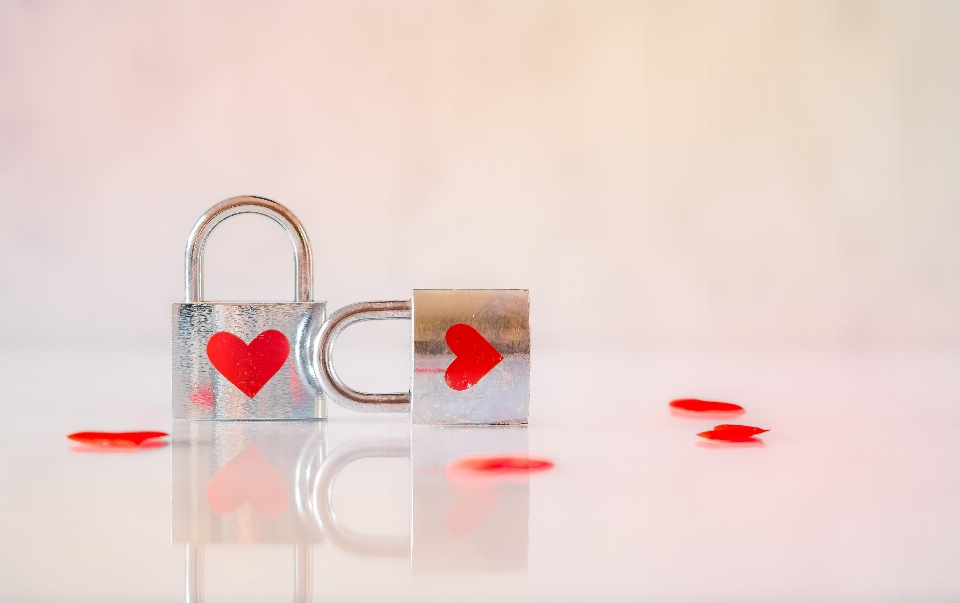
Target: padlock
x=243, y=483
x=247, y=360
x=471, y=357
x=461, y=523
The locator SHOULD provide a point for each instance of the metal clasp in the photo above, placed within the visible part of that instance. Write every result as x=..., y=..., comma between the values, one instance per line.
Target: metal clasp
x=302, y=255
x=343, y=394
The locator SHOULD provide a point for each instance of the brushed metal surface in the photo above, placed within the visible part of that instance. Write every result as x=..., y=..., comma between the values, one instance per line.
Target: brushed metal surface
x=201, y=392
x=502, y=396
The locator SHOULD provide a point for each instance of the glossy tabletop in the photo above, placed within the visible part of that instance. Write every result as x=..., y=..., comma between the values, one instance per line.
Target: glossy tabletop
x=853, y=494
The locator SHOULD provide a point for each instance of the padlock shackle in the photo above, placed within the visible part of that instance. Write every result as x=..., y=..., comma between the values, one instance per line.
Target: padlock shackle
x=330, y=468
x=343, y=394
x=302, y=254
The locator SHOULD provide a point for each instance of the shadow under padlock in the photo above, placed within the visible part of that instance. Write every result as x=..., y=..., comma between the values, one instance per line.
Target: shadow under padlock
x=250, y=360
x=461, y=523
x=246, y=482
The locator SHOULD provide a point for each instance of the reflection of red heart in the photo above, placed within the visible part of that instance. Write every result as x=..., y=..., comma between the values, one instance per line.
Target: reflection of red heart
x=247, y=477
x=203, y=397
x=469, y=509
x=472, y=479
x=249, y=367
x=475, y=357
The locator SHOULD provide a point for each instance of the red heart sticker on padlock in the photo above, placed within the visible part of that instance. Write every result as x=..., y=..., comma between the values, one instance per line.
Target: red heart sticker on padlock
x=475, y=357
x=247, y=478
x=248, y=366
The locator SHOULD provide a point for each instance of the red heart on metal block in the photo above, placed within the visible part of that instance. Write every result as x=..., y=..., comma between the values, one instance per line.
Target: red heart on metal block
x=475, y=357
x=248, y=366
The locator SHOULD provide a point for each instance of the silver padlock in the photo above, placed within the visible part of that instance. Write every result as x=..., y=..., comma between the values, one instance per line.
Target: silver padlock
x=471, y=357
x=247, y=360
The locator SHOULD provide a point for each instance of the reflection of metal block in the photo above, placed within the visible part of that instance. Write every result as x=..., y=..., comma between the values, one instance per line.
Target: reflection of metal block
x=245, y=481
x=471, y=357
x=467, y=524
x=461, y=523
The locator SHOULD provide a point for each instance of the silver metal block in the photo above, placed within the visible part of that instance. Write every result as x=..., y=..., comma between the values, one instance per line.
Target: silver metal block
x=471, y=357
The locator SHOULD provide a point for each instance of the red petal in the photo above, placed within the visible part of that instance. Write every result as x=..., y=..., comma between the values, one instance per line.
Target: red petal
x=695, y=405
x=732, y=433
x=115, y=439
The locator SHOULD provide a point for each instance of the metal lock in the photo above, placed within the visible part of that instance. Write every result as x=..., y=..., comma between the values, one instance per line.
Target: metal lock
x=471, y=357
x=247, y=360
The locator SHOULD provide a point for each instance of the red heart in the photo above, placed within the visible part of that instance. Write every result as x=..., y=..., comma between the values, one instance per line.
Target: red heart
x=475, y=357
x=247, y=477
x=249, y=367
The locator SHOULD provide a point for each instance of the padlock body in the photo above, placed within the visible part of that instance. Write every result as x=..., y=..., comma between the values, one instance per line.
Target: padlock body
x=471, y=357
x=229, y=361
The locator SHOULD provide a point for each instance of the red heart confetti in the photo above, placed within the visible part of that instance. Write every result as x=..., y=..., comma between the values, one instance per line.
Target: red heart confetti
x=733, y=433
x=248, y=366
x=115, y=439
x=693, y=405
x=475, y=357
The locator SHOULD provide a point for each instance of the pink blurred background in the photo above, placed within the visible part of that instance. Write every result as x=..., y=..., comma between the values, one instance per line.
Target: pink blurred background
x=762, y=173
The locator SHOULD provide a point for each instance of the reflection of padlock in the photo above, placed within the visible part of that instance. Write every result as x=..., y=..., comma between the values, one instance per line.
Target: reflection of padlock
x=339, y=534
x=243, y=482
x=471, y=357
x=302, y=574
x=459, y=524
x=246, y=360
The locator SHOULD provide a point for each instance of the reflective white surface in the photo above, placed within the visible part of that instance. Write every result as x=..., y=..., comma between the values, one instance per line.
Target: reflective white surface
x=744, y=201
x=854, y=496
